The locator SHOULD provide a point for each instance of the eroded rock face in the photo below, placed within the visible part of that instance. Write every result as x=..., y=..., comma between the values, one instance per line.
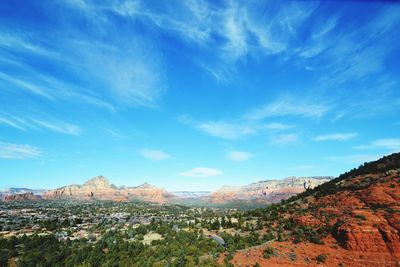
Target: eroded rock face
x=20, y=197
x=269, y=191
x=360, y=238
x=100, y=188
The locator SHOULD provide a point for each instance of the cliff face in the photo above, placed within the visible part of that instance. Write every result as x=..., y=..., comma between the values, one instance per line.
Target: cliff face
x=21, y=197
x=100, y=188
x=269, y=191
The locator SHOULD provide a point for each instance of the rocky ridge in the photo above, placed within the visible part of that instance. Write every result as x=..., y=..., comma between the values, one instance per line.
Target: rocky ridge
x=100, y=188
x=268, y=191
x=21, y=197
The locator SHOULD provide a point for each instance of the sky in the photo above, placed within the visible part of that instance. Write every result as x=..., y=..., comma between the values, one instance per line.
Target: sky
x=194, y=95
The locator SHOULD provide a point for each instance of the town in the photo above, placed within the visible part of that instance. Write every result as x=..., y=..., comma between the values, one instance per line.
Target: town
x=90, y=224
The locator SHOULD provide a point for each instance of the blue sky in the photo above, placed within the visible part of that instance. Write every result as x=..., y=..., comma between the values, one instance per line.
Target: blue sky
x=193, y=95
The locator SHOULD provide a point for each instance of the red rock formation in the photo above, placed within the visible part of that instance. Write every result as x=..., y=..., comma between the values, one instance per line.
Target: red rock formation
x=362, y=238
x=99, y=188
x=20, y=197
x=264, y=192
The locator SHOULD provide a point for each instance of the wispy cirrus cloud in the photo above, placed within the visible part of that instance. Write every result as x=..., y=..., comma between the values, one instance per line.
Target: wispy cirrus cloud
x=239, y=156
x=225, y=130
x=284, y=139
x=201, y=172
x=133, y=75
x=31, y=87
x=386, y=143
x=40, y=124
x=18, y=151
x=154, y=154
x=252, y=121
x=222, y=129
x=278, y=126
x=335, y=137
x=289, y=106
x=229, y=31
x=59, y=127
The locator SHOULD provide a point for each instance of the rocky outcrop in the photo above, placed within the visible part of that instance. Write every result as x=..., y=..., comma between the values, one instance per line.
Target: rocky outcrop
x=269, y=191
x=99, y=188
x=21, y=197
x=20, y=193
x=360, y=238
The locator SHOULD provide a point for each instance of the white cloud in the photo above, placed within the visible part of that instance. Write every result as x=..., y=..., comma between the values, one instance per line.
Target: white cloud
x=225, y=130
x=335, y=137
x=201, y=172
x=133, y=75
x=239, y=156
x=389, y=143
x=289, y=106
x=233, y=30
x=17, y=151
x=25, y=85
x=114, y=133
x=36, y=124
x=11, y=123
x=233, y=129
x=284, y=139
x=278, y=126
x=156, y=155
x=59, y=127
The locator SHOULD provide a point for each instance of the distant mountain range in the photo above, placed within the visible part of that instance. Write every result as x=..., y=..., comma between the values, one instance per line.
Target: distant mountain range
x=99, y=188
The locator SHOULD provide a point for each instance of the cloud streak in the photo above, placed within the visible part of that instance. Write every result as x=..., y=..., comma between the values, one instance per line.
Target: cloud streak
x=201, y=172
x=155, y=155
x=225, y=130
x=239, y=156
x=284, y=139
x=40, y=124
x=18, y=151
x=388, y=143
x=288, y=106
x=336, y=137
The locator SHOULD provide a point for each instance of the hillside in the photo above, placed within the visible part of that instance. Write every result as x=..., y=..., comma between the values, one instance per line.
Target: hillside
x=353, y=220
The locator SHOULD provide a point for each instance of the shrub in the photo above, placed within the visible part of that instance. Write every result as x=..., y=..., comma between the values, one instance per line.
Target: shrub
x=361, y=217
x=268, y=252
x=292, y=256
x=321, y=258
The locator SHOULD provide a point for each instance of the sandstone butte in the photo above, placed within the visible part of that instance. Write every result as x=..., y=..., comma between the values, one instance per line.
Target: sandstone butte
x=362, y=213
x=266, y=192
x=99, y=188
